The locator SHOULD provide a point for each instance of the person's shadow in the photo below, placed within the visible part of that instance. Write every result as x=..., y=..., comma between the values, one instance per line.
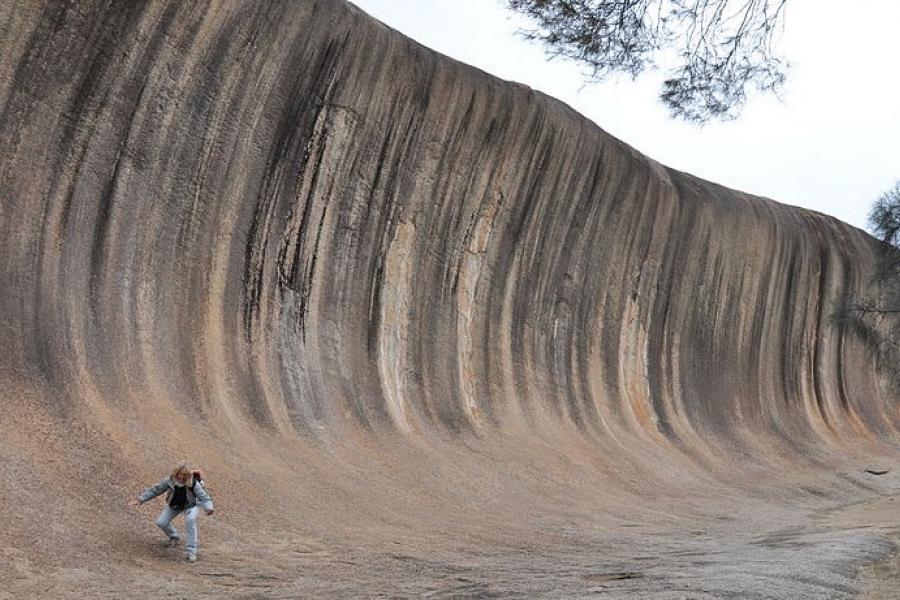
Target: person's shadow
x=145, y=547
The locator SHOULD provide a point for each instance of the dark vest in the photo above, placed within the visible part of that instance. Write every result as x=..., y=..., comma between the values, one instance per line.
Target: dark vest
x=178, y=501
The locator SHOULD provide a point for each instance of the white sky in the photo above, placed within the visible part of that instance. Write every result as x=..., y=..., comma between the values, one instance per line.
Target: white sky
x=831, y=144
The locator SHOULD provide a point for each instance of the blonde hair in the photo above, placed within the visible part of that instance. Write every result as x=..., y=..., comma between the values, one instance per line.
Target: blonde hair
x=182, y=469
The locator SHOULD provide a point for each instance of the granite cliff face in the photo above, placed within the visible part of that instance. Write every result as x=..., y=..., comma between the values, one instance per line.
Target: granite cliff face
x=385, y=298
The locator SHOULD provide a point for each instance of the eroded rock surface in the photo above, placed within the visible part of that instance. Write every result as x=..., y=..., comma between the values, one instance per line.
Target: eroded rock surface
x=428, y=332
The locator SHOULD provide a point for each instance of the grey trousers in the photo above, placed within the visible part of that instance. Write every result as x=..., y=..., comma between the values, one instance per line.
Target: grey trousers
x=164, y=522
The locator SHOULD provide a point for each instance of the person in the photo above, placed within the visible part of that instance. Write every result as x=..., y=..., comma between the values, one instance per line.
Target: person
x=183, y=494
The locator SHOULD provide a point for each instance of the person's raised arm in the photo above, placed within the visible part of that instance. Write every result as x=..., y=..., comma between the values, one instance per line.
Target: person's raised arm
x=150, y=493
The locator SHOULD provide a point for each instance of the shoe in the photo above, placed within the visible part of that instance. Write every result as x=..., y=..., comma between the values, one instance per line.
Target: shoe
x=173, y=541
x=191, y=557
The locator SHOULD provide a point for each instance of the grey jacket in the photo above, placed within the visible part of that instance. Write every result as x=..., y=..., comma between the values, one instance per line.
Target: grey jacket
x=168, y=486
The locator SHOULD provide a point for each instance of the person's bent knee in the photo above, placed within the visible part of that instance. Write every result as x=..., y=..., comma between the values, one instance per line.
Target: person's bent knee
x=161, y=523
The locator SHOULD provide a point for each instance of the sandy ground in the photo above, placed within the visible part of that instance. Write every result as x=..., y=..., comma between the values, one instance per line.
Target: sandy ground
x=540, y=516
x=497, y=517
x=697, y=564
x=879, y=580
x=418, y=523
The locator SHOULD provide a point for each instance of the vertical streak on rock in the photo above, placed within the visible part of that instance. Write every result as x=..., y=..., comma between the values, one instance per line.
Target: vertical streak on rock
x=394, y=320
x=467, y=289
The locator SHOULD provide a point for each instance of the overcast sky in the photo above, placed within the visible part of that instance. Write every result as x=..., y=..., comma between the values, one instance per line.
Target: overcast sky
x=832, y=143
